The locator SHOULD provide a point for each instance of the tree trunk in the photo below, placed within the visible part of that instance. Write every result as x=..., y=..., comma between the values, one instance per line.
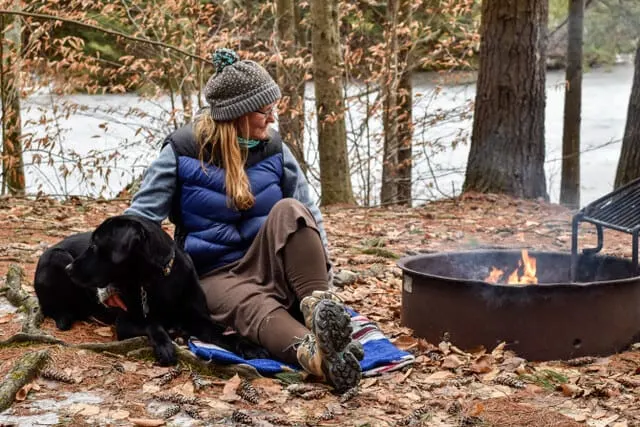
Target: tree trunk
x=570, y=183
x=389, y=188
x=13, y=178
x=291, y=81
x=507, y=143
x=629, y=163
x=405, y=105
x=397, y=107
x=335, y=176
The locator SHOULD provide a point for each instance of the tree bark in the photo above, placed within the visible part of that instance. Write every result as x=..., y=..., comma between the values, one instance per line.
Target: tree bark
x=405, y=105
x=10, y=47
x=335, y=177
x=291, y=80
x=25, y=370
x=629, y=163
x=389, y=188
x=507, y=142
x=570, y=183
x=397, y=107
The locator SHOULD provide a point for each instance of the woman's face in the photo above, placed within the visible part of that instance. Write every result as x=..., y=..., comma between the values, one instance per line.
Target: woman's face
x=258, y=123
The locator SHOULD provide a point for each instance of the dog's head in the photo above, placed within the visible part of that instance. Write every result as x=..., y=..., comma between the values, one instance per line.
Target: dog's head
x=123, y=249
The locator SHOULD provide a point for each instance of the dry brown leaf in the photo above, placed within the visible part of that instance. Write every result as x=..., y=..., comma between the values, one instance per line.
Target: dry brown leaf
x=23, y=392
x=117, y=414
x=84, y=409
x=269, y=385
x=104, y=331
x=229, y=391
x=5, y=318
x=571, y=390
x=438, y=377
x=186, y=389
x=147, y=422
x=452, y=362
x=445, y=347
x=498, y=351
x=150, y=388
x=405, y=342
x=476, y=410
x=482, y=364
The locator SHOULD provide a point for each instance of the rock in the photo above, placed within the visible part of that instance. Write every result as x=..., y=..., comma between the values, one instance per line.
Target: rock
x=344, y=278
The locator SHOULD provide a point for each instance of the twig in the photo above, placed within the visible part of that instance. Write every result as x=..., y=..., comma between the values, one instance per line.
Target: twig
x=41, y=16
x=22, y=373
x=123, y=347
x=22, y=337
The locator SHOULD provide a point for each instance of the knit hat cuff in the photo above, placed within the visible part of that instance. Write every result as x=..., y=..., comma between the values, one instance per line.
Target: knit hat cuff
x=236, y=107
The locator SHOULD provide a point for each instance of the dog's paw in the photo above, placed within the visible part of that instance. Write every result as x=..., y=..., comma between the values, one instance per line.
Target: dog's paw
x=166, y=355
x=64, y=323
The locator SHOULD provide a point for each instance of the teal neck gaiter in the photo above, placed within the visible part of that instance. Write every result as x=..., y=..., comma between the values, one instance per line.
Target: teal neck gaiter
x=249, y=143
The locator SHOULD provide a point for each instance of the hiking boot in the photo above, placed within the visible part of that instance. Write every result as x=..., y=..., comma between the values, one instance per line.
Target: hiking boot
x=308, y=303
x=328, y=351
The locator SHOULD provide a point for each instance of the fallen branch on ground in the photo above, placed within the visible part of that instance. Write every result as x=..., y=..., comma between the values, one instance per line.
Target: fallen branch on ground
x=37, y=338
x=115, y=347
x=22, y=373
x=19, y=298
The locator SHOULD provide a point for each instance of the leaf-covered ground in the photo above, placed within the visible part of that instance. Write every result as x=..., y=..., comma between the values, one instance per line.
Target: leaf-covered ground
x=446, y=386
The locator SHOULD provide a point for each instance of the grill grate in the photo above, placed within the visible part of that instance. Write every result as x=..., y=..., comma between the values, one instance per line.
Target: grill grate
x=618, y=210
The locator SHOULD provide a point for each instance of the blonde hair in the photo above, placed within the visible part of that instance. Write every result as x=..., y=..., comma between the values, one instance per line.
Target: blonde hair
x=219, y=140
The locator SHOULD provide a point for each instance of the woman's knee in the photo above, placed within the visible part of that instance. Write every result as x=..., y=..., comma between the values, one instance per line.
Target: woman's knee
x=287, y=204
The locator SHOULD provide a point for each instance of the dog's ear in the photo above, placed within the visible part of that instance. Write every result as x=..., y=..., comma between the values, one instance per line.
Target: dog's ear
x=124, y=246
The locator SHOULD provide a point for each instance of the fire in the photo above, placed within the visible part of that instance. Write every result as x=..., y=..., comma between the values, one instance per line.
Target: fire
x=524, y=274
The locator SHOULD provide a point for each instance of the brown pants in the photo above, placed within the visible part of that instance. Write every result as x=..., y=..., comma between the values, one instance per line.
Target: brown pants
x=259, y=294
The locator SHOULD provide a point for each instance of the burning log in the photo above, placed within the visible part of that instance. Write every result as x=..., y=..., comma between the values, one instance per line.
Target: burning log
x=524, y=274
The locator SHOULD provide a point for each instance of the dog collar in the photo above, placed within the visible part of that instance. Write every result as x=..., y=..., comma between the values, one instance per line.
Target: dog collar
x=143, y=300
x=166, y=270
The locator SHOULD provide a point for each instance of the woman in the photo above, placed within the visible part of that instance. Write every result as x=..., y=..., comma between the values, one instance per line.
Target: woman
x=242, y=211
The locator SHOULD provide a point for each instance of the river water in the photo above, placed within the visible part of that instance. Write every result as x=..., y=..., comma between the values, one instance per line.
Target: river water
x=102, y=129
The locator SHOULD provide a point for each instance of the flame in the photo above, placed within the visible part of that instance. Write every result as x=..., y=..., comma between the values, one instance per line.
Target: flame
x=527, y=264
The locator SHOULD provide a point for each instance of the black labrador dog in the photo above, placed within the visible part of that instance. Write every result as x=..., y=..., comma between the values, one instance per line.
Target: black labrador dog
x=154, y=278
x=60, y=298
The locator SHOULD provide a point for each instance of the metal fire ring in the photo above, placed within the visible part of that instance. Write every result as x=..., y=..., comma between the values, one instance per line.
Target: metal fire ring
x=445, y=295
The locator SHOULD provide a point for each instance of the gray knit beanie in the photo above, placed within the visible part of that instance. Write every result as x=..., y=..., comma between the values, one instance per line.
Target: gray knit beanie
x=238, y=87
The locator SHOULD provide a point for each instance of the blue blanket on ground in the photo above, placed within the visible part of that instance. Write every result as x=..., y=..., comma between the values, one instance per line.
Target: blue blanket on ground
x=380, y=355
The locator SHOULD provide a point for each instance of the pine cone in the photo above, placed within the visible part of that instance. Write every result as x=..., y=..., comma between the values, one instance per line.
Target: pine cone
x=470, y=421
x=199, y=383
x=461, y=382
x=247, y=391
x=171, y=411
x=313, y=394
x=455, y=408
x=326, y=415
x=278, y=421
x=301, y=388
x=177, y=398
x=192, y=411
x=509, y=380
x=55, y=375
x=241, y=417
x=581, y=361
x=628, y=382
x=169, y=376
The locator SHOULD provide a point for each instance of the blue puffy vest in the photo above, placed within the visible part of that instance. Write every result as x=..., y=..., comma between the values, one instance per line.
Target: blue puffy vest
x=211, y=232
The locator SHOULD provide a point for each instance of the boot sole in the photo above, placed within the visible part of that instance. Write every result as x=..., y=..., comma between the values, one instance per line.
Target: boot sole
x=332, y=329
